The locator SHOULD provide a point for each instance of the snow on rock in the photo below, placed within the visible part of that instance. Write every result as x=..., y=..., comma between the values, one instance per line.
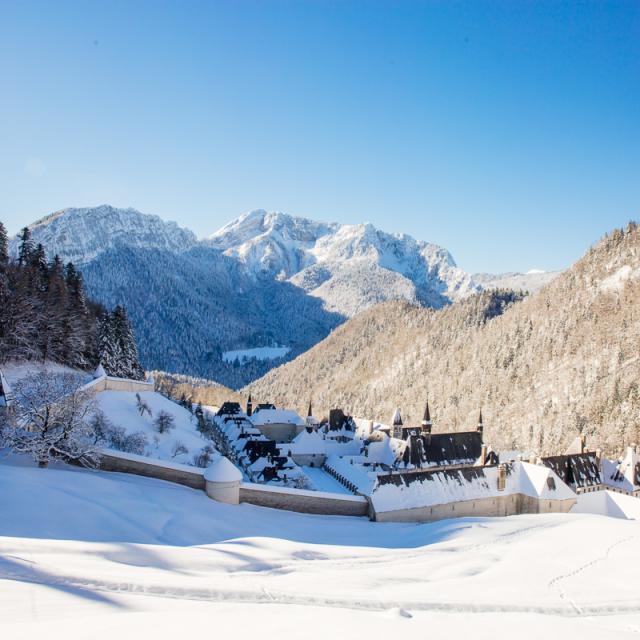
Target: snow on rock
x=81, y=234
x=222, y=470
x=615, y=282
x=121, y=408
x=350, y=267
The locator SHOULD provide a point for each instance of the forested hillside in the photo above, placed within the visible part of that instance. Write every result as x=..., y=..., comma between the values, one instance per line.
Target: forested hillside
x=45, y=315
x=561, y=361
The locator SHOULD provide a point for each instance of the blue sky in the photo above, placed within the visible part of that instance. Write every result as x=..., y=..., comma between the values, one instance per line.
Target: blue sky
x=508, y=132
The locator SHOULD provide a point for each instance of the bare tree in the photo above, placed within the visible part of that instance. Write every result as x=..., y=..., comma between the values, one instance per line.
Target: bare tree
x=164, y=422
x=50, y=419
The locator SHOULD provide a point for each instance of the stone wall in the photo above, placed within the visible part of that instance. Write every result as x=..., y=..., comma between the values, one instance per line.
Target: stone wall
x=303, y=501
x=107, y=383
x=280, y=431
x=309, y=459
x=507, y=505
x=141, y=466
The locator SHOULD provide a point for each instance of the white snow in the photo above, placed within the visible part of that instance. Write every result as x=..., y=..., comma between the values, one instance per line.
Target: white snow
x=276, y=416
x=615, y=282
x=609, y=503
x=121, y=409
x=98, y=556
x=260, y=353
x=222, y=470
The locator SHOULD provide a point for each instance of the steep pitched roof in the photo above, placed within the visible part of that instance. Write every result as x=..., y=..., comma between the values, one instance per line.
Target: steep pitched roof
x=578, y=470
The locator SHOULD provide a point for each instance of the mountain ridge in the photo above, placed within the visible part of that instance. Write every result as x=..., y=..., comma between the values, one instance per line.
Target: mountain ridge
x=560, y=362
x=263, y=279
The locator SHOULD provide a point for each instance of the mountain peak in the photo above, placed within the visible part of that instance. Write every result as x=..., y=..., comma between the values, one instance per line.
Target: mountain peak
x=80, y=234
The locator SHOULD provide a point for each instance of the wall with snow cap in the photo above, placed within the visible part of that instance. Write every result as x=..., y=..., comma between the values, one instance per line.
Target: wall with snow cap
x=303, y=501
x=151, y=468
x=109, y=383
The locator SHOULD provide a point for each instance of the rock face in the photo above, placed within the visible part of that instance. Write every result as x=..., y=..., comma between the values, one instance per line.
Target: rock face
x=81, y=235
x=561, y=361
x=349, y=267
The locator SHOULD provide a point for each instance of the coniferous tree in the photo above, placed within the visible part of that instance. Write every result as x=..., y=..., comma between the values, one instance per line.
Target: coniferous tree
x=26, y=247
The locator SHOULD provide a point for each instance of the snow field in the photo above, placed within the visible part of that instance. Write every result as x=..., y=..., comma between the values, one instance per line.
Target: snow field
x=113, y=553
x=121, y=409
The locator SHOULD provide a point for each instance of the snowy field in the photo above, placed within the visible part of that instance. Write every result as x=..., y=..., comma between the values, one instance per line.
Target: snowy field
x=260, y=353
x=96, y=555
x=122, y=410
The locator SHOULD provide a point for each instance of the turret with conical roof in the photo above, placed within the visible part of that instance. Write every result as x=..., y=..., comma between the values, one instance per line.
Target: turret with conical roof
x=396, y=424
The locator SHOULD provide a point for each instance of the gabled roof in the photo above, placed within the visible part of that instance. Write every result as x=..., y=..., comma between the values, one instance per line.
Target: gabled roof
x=578, y=470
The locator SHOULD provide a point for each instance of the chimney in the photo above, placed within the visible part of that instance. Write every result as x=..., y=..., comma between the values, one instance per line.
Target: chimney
x=502, y=477
x=483, y=455
x=533, y=458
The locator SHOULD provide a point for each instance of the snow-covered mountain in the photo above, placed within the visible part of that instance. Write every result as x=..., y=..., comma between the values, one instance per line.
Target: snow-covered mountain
x=350, y=267
x=263, y=280
x=80, y=235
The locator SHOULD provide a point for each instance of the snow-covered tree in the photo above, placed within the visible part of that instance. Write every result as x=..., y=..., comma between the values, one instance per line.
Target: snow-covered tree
x=51, y=419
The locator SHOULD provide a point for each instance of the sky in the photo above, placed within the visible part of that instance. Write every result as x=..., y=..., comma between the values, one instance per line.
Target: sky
x=508, y=132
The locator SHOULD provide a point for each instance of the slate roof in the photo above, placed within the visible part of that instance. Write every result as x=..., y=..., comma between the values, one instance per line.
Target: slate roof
x=577, y=470
x=442, y=449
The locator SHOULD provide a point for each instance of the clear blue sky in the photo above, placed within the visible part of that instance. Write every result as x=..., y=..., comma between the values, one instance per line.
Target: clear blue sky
x=509, y=132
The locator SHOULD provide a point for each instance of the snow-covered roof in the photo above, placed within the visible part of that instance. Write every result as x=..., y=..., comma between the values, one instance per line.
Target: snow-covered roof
x=623, y=474
x=307, y=442
x=386, y=451
x=424, y=489
x=222, y=470
x=276, y=416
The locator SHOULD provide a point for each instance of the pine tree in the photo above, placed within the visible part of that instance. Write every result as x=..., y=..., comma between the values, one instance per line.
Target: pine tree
x=107, y=346
x=26, y=247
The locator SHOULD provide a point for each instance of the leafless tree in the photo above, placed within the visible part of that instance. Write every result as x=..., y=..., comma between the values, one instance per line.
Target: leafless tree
x=51, y=419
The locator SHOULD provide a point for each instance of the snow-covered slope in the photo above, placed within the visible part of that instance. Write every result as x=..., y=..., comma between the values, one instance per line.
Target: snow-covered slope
x=96, y=555
x=530, y=281
x=350, y=267
x=120, y=407
x=80, y=235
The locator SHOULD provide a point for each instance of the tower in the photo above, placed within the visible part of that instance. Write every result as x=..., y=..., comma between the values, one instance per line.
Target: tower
x=396, y=428
x=249, y=406
x=480, y=424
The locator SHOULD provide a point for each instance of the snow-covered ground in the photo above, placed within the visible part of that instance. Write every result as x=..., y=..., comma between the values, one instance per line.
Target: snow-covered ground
x=95, y=555
x=259, y=353
x=121, y=409
x=14, y=371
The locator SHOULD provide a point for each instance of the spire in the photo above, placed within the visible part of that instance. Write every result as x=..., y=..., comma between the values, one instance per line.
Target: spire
x=309, y=412
x=480, y=423
x=426, y=419
x=397, y=418
x=249, y=405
